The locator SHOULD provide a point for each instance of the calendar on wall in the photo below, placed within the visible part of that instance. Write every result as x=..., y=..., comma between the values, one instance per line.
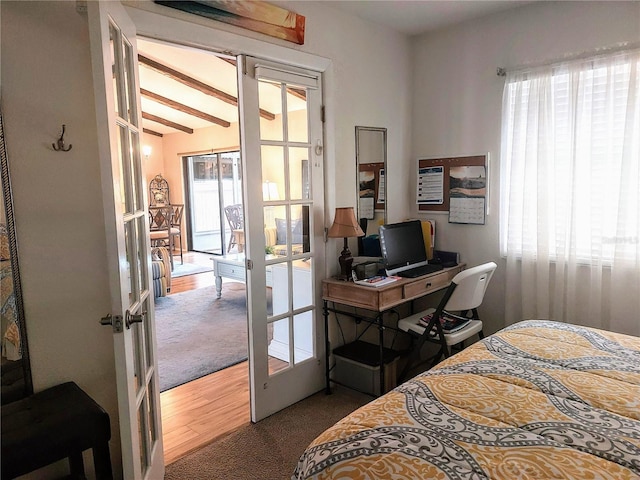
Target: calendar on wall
x=457, y=185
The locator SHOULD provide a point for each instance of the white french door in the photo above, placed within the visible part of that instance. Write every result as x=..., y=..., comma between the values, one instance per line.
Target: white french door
x=115, y=70
x=281, y=145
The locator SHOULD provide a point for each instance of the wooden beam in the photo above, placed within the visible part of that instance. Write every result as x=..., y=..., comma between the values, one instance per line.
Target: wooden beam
x=297, y=92
x=168, y=123
x=196, y=84
x=183, y=108
x=152, y=132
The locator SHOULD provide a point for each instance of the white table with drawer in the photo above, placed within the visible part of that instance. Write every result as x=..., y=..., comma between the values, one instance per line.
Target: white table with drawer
x=232, y=266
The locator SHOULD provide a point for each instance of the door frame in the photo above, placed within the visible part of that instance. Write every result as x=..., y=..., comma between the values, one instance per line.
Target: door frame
x=156, y=22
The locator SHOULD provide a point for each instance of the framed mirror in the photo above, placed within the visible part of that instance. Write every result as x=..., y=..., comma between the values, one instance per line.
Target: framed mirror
x=371, y=163
x=14, y=359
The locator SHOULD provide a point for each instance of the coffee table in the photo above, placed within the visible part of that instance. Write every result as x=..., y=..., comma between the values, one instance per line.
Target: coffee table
x=232, y=266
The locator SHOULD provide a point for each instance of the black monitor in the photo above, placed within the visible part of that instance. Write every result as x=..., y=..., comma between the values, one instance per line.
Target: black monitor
x=402, y=246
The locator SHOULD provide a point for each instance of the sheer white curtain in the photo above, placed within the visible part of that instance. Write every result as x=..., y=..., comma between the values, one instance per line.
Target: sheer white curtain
x=570, y=181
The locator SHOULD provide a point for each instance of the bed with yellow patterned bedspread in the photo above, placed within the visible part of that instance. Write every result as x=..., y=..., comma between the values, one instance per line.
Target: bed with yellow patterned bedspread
x=537, y=400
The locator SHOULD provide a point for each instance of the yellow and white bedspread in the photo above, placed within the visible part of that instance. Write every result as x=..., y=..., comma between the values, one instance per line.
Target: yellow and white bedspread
x=537, y=400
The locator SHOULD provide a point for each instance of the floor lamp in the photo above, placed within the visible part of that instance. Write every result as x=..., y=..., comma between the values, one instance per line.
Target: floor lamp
x=345, y=226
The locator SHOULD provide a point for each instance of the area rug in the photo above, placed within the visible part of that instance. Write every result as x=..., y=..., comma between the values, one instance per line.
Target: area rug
x=270, y=448
x=199, y=334
x=182, y=269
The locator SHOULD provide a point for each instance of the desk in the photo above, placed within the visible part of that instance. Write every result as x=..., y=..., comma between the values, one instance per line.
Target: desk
x=378, y=300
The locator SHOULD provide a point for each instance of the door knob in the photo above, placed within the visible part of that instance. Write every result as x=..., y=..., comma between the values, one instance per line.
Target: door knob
x=134, y=318
x=114, y=320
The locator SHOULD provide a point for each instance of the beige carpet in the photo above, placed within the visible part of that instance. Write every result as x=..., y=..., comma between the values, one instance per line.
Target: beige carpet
x=268, y=450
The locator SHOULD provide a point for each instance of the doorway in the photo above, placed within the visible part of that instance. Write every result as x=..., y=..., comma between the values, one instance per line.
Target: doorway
x=181, y=123
x=297, y=236
x=213, y=183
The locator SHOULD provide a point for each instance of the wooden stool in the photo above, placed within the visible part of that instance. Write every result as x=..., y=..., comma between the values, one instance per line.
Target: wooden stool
x=59, y=422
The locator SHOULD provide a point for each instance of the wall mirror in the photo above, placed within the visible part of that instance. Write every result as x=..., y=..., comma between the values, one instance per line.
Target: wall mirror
x=14, y=365
x=371, y=163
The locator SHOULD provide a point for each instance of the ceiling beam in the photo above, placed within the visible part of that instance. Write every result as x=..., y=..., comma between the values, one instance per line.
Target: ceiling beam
x=183, y=108
x=168, y=123
x=151, y=132
x=196, y=84
x=301, y=93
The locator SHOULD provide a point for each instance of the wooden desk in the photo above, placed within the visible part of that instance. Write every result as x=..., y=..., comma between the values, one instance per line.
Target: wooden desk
x=379, y=300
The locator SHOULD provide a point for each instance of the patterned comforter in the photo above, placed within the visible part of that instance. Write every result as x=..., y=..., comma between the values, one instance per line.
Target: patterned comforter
x=537, y=400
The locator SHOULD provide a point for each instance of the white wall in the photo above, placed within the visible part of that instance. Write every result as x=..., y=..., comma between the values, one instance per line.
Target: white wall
x=458, y=98
x=47, y=81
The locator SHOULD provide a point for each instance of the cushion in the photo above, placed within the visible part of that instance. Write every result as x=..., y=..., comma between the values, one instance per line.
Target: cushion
x=281, y=231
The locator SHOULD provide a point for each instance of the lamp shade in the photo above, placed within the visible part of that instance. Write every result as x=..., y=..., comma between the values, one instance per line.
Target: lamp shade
x=270, y=191
x=345, y=224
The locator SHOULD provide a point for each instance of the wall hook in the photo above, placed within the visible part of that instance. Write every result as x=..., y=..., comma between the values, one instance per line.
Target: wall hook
x=59, y=146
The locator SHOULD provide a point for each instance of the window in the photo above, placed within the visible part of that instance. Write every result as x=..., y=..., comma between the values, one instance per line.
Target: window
x=570, y=163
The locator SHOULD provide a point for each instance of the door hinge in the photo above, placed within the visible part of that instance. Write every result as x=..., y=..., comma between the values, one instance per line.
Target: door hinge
x=249, y=264
x=322, y=114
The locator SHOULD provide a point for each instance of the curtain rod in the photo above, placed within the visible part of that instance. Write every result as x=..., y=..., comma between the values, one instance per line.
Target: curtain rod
x=594, y=54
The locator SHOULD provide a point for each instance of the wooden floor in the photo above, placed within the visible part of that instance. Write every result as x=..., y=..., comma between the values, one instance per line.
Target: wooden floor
x=198, y=412
x=210, y=407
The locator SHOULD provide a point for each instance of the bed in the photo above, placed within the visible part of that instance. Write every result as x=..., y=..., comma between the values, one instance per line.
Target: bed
x=537, y=400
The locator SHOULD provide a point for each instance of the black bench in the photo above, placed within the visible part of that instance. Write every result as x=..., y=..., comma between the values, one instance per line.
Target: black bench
x=59, y=422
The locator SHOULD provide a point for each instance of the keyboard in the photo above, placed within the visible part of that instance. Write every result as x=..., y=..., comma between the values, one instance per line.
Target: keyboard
x=419, y=271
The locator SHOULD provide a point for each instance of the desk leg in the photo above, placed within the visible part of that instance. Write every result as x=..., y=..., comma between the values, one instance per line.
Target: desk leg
x=327, y=352
x=218, y=286
x=381, y=343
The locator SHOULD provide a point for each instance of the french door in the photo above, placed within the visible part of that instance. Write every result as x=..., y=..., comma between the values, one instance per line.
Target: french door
x=281, y=144
x=115, y=70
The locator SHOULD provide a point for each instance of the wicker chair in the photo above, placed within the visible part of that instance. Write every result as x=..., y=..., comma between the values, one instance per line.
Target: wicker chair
x=235, y=217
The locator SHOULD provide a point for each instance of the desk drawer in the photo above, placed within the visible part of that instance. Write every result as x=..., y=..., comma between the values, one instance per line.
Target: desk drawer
x=429, y=284
x=231, y=271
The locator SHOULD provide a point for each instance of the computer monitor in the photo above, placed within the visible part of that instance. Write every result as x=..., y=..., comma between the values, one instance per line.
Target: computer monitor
x=402, y=246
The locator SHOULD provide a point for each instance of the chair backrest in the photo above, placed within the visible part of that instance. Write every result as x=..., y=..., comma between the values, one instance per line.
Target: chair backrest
x=160, y=218
x=176, y=214
x=158, y=191
x=234, y=216
x=470, y=286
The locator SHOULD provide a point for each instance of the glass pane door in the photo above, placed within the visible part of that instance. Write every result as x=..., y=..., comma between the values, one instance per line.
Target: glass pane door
x=281, y=130
x=214, y=183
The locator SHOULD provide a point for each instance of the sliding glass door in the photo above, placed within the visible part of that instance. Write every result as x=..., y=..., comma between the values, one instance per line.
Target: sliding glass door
x=214, y=182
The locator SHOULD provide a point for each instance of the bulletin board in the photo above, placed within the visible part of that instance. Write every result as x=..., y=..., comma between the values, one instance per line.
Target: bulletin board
x=371, y=180
x=441, y=170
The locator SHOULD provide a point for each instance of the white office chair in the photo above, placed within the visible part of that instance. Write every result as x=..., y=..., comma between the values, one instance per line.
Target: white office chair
x=463, y=295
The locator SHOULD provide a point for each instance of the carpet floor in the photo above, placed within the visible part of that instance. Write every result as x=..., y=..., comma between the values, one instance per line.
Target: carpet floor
x=269, y=449
x=199, y=334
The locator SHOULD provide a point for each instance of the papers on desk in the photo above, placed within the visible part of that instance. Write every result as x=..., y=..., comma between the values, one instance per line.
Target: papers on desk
x=377, y=281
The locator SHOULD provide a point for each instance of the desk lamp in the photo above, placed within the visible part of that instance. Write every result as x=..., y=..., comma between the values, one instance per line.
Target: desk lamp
x=345, y=225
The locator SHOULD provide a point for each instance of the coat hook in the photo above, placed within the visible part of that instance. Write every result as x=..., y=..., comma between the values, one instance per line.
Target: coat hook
x=60, y=143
